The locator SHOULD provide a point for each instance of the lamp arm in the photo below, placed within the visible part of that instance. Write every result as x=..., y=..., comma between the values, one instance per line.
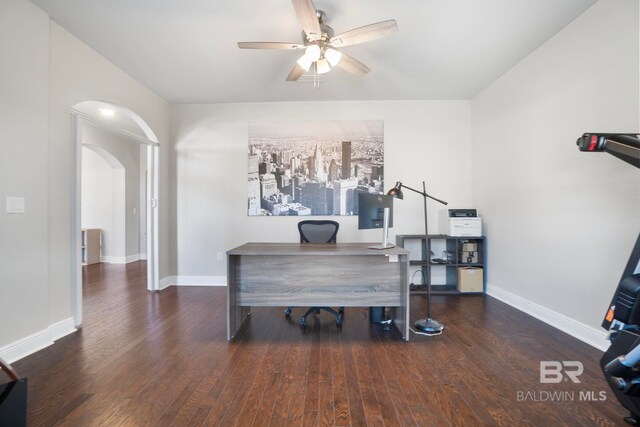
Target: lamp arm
x=437, y=200
x=423, y=194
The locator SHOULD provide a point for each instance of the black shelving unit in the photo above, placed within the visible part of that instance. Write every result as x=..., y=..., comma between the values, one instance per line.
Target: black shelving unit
x=451, y=246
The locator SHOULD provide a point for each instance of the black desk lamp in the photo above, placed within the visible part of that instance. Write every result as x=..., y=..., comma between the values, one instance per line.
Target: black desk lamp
x=428, y=325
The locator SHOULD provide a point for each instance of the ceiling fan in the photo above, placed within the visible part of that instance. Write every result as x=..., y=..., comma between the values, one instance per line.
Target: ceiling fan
x=320, y=43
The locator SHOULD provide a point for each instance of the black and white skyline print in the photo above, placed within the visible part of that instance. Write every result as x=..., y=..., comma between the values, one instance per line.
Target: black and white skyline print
x=300, y=168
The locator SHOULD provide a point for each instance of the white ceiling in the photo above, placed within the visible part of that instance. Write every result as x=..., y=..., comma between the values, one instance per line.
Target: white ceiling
x=185, y=51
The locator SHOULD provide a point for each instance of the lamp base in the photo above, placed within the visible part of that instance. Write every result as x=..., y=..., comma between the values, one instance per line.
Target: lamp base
x=430, y=326
x=387, y=246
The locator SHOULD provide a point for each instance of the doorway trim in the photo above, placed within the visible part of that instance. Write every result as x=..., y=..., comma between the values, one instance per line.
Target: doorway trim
x=152, y=224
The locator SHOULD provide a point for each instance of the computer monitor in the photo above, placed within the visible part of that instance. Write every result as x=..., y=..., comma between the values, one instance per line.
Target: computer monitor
x=376, y=211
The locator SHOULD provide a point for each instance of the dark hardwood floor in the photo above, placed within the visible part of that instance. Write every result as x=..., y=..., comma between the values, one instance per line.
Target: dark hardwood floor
x=163, y=359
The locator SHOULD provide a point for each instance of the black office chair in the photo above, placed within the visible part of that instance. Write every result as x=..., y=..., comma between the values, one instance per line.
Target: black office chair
x=318, y=231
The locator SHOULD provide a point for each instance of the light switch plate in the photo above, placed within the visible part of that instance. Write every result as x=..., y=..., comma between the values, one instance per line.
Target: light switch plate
x=15, y=205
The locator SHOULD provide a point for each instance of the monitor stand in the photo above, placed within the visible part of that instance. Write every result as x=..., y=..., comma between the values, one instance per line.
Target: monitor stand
x=385, y=233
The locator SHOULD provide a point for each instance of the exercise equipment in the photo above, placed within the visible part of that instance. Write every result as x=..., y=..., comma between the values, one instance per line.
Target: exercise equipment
x=625, y=146
x=13, y=398
x=621, y=362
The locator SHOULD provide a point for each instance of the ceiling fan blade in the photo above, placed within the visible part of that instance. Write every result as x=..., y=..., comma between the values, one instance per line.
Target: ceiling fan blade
x=296, y=73
x=307, y=16
x=270, y=45
x=352, y=65
x=365, y=34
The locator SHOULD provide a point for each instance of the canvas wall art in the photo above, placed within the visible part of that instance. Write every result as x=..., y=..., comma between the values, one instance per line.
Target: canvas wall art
x=301, y=168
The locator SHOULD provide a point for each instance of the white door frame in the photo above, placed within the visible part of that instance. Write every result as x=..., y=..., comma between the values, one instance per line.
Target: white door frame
x=153, y=148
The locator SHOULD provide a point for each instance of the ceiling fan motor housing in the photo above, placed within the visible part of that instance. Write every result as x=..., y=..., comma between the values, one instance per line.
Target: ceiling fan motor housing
x=322, y=17
x=327, y=31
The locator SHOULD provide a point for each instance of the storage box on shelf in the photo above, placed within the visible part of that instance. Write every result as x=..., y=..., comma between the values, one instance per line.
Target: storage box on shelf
x=449, y=264
x=470, y=279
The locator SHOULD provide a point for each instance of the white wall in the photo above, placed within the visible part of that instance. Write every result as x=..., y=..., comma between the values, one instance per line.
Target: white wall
x=424, y=140
x=24, y=291
x=561, y=223
x=98, y=191
x=50, y=71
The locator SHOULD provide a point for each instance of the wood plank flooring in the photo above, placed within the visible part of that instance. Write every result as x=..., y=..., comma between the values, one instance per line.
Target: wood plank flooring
x=162, y=359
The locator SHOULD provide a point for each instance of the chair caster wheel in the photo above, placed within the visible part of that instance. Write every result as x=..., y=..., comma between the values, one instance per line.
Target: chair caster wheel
x=303, y=323
x=287, y=312
x=339, y=321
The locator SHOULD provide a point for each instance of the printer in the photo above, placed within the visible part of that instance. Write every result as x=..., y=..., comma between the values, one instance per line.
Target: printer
x=460, y=223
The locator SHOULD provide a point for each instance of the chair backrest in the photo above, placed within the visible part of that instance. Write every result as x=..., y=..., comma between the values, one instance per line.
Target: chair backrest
x=318, y=231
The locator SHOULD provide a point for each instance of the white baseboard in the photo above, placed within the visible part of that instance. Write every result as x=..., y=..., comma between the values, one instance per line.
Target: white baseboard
x=193, y=281
x=165, y=282
x=123, y=260
x=35, y=342
x=576, y=329
x=62, y=328
x=113, y=259
x=133, y=258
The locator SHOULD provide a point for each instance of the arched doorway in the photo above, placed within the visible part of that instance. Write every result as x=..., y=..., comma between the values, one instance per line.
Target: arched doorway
x=123, y=121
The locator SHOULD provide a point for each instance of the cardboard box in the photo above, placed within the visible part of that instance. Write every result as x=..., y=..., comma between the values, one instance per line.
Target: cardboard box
x=470, y=279
x=470, y=247
x=467, y=257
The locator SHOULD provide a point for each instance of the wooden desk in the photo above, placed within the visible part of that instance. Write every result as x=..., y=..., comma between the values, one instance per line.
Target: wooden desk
x=310, y=275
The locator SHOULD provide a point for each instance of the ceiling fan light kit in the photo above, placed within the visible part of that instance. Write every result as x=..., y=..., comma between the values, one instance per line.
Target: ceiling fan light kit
x=322, y=66
x=333, y=56
x=305, y=62
x=312, y=52
x=320, y=43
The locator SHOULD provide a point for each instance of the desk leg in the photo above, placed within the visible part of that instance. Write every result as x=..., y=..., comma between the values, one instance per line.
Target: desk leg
x=236, y=315
x=400, y=315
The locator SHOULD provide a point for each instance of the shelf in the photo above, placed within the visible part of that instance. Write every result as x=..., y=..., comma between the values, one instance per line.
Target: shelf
x=453, y=246
x=440, y=290
x=438, y=237
x=91, y=245
x=421, y=236
x=435, y=290
x=453, y=264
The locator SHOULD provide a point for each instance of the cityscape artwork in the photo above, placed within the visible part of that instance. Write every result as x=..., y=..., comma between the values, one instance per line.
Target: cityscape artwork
x=300, y=168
